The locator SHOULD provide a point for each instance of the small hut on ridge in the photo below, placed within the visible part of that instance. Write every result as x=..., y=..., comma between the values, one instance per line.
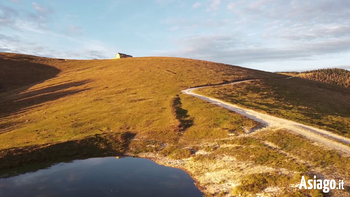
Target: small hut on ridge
x=122, y=55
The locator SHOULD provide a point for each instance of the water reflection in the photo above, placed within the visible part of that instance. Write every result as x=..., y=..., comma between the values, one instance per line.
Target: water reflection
x=124, y=177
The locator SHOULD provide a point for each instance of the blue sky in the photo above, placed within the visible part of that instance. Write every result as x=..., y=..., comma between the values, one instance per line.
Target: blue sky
x=271, y=35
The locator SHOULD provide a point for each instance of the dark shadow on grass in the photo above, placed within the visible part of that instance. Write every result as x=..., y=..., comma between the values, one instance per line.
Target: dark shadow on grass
x=314, y=100
x=19, y=103
x=16, y=161
x=54, y=88
x=6, y=126
x=309, y=102
x=17, y=71
x=301, y=100
x=326, y=99
x=181, y=114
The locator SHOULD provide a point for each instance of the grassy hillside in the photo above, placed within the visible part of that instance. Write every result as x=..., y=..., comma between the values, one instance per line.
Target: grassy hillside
x=77, y=99
x=19, y=71
x=56, y=110
x=314, y=103
x=335, y=76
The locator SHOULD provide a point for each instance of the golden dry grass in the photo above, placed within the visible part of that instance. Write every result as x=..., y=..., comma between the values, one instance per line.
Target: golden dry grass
x=323, y=105
x=57, y=110
x=69, y=100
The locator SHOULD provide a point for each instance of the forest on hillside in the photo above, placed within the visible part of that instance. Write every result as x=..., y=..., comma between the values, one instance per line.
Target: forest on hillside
x=330, y=75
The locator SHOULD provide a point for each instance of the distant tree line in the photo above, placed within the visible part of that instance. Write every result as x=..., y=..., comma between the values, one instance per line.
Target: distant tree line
x=330, y=75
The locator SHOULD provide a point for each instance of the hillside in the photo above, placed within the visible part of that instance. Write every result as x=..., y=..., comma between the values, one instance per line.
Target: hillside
x=55, y=110
x=97, y=96
x=335, y=76
x=323, y=105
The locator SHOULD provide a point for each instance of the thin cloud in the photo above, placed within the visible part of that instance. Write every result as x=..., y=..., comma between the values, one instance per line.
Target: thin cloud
x=8, y=15
x=41, y=10
x=165, y=1
x=196, y=5
x=215, y=4
x=174, y=28
x=71, y=16
x=19, y=45
x=9, y=38
x=225, y=48
x=280, y=31
x=186, y=23
x=73, y=30
x=5, y=21
x=244, y=31
x=231, y=6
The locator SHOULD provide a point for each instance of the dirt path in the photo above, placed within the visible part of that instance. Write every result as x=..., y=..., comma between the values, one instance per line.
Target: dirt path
x=324, y=137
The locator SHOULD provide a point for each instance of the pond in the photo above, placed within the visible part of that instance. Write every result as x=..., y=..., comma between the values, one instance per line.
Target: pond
x=123, y=177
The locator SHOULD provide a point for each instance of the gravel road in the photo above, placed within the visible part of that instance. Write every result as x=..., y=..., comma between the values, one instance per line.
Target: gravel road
x=324, y=137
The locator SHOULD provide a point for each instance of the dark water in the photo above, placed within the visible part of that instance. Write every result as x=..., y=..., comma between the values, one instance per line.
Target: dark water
x=124, y=177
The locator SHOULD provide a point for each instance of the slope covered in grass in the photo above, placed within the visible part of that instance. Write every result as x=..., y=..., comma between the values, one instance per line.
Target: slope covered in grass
x=18, y=71
x=84, y=98
x=323, y=105
x=335, y=76
x=75, y=109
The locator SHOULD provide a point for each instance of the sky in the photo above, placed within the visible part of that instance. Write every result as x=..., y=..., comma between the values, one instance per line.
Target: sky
x=270, y=35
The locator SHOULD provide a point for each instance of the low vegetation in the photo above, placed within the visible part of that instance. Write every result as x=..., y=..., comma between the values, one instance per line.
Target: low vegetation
x=307, y=151
x=254, y=150
x=330, y=75
x=78, y=99
x=255, y=183
x=266, y=163
x=326, y=106
x=89, y=108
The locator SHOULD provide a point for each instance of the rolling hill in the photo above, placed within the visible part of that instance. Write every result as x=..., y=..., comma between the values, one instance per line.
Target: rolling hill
x=55, y=110
x=79, y=98
x=335, y=76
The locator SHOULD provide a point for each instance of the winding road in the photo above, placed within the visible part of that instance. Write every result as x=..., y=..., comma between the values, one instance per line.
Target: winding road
x=324, y=137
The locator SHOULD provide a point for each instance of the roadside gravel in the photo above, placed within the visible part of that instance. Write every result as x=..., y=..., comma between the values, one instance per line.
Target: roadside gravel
x=321, y=136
